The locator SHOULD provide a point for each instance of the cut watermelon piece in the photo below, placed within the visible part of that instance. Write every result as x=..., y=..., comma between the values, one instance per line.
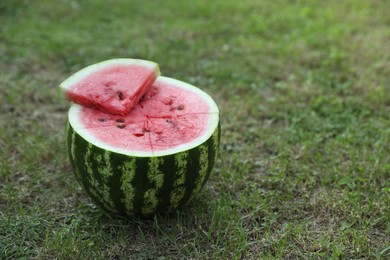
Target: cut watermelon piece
x=113, y=86
x=154, y=159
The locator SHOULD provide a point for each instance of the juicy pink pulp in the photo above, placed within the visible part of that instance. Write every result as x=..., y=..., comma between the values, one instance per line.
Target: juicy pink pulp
x=118, y=93
x=166, y=116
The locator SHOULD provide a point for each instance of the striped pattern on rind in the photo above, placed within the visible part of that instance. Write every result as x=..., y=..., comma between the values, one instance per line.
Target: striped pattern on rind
x=143, y=186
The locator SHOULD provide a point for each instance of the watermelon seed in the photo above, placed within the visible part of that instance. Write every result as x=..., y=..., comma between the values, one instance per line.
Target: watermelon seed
x=109, y=83
x=138, y=134
x=169, y=121
x=119, y=95
x=121, y=126
x=153, y=91
x=101, y=119
x=180, y=107
x=120, y=120
x=168, y=101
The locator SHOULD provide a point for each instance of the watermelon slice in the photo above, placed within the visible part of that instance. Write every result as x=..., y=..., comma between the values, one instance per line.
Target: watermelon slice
x=114, y=86
x=152, y=159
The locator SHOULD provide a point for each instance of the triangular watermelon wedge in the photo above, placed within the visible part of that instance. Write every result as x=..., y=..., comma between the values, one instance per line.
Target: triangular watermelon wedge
x=113, y=86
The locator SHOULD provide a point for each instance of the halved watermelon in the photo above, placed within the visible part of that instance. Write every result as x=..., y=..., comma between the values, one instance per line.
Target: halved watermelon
x=153, y=159
x=114, y=86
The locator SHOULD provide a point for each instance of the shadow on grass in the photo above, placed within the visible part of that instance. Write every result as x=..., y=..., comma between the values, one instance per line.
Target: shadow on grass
x=180, y=233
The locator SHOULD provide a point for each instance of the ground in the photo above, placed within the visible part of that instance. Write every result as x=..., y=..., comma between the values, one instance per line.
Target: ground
x=304, y=93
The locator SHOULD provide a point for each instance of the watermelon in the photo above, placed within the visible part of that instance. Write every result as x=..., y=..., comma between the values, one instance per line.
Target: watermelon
x=153, y=159
x=114, y=86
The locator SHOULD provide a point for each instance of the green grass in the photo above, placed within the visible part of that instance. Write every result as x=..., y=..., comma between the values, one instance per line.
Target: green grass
x=304, y=93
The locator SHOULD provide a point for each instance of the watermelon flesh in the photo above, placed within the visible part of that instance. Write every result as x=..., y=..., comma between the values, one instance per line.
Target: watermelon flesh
x=113, y=86
x=172, y=115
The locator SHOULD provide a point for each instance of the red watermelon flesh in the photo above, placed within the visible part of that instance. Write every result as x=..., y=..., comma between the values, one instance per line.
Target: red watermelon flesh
x=113, y=86
x=168, y=117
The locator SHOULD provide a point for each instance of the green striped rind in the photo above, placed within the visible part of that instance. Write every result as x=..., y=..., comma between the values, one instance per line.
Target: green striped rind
x=129, y=185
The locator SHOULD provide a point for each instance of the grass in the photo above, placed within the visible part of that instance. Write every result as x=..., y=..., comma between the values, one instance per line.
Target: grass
x=304, y=93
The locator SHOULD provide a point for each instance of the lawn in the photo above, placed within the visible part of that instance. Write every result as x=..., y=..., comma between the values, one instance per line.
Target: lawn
x=304, y=93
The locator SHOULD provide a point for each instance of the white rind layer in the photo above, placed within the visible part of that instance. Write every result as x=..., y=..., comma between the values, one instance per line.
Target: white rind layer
x=85, y=72
x=212, y=124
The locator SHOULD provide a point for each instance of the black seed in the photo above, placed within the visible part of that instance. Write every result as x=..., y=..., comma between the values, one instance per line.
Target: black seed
x=169, y=121
x=109, y=84
x=119, y=95
x=101, y=119
x=121, y=126
x=180, y=107
x=120, y=120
